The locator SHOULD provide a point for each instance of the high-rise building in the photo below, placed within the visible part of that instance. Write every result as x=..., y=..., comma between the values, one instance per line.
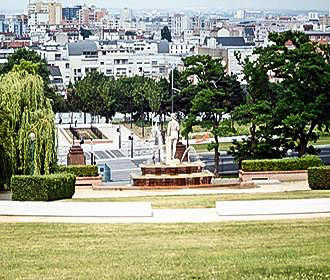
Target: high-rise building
x=178, y=23
x=126, y=15
x=324, y=22
x=55, y=13
x=71, y=13
x=37, y=14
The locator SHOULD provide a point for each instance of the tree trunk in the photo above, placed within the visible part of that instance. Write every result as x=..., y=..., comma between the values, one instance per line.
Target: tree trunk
x=142, y=115
x=216, y=156
x=302, y=147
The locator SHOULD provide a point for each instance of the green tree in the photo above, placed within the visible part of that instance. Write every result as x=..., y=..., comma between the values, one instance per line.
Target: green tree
x=166, y=34
x=27, y=110
x=25, y=55
x=96, y=94
x=216, y=95
x=302, y=73
x=256, y=111
x=85, y=33
x=108, y=94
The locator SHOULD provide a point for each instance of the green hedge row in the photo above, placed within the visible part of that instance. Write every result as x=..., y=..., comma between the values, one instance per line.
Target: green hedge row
x=319, y=177
x=79, y=170
x=43, y=188
x=281, y=164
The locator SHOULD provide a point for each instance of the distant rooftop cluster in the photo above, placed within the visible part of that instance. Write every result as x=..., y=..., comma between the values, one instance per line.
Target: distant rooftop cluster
x=78, y=39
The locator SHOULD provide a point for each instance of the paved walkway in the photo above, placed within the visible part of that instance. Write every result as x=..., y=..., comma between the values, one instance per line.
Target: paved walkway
x=230, y=211
x=60, y=212
x=261, y=188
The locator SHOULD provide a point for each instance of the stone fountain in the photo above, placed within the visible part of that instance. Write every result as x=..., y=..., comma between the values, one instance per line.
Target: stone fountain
x=175, y=170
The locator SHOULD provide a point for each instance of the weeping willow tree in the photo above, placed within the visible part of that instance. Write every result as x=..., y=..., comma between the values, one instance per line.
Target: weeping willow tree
x=26, y=111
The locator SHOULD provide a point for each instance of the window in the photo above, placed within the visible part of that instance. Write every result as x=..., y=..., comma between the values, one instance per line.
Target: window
x=102, y=62
x=67, y=65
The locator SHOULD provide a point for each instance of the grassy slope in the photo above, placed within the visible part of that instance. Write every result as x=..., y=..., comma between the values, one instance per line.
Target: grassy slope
x=208, y=201
x=254, y=250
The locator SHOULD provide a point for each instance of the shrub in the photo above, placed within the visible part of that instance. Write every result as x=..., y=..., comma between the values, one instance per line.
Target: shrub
x=319, y=177
x=43, y=188
x=79, y=170
x=281, y=164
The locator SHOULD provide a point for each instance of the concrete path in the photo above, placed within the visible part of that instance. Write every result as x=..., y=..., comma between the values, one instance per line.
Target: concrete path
x=75, y=209
x=261, y=188
x=226, y=211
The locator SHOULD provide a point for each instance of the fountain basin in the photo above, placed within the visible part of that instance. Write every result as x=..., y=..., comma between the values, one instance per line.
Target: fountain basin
x=172, y=175
x=172, y=169
x=183, y=180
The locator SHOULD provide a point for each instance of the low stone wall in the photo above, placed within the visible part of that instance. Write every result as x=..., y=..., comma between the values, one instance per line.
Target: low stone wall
x=88, y=182
x=283, y=176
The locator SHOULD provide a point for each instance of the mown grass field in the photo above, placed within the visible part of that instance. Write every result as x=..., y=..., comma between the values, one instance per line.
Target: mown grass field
x=255, y=250
x=207, y=201
x=324, y=140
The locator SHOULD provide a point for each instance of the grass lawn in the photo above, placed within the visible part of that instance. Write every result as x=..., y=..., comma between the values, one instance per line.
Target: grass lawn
x=255, y=250
x=207, y=201
x=324, y=140
x=203, y=147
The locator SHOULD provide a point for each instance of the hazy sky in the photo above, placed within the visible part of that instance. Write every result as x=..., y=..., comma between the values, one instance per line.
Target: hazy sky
x=179, y=4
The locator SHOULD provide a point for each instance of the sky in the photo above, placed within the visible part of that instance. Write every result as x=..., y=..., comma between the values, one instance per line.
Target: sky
x=179, y=4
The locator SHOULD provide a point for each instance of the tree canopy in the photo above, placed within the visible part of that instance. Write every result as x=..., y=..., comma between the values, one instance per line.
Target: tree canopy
x=40, y=67
x=166, y=34
x=288, y=97
x=27, y=111
x=215, y=95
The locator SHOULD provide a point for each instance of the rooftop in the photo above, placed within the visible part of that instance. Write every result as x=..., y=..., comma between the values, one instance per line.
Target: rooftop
x=77, y=48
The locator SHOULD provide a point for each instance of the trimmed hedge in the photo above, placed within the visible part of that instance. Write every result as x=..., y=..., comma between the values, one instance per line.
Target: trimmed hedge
x=79, y=170
x=319, y=178
x=284, y=164
x=43, y=188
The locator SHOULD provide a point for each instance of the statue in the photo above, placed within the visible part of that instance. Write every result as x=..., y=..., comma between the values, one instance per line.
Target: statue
x=172, y=138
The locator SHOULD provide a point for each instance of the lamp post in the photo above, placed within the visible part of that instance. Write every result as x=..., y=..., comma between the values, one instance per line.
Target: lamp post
x=172, y=100
x=130, y=138
x=173, y=89
x=131, y=109
x=92, y=152
x=32, y=138
x=119, y=131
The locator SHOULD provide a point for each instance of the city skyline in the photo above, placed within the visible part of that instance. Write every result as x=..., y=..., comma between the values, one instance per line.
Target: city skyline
x=184, y=4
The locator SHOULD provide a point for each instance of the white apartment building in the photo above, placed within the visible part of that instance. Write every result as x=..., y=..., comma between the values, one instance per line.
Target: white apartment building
x=79, y=58
x=55, y=13
x=232, y=63
x=313, y=16
x=181, y=49
x=178, y=23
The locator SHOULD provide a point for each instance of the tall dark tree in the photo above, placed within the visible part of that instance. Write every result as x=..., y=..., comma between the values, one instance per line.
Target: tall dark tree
x=166, y=34
x=216, y=95
x=85, y=33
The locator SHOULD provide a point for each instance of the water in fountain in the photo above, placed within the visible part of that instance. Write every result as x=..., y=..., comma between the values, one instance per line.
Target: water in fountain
x=192, y=154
